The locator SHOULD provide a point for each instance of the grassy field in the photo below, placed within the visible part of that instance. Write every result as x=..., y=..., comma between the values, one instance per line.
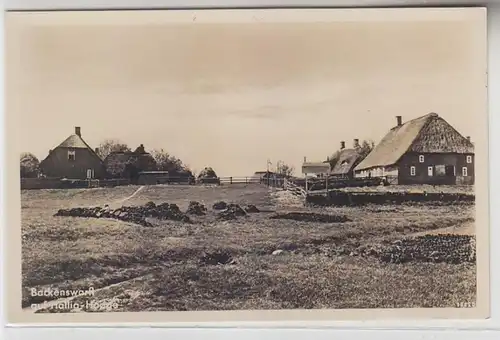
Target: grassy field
x=158, y=268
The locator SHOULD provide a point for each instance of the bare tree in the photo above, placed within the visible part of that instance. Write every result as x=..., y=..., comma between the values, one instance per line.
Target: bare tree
x=365, y=148
x=111, y=145
x=284, y=169
x=30, y=165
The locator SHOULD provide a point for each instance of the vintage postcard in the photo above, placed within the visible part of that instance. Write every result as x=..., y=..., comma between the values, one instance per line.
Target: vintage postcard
x=267, y=165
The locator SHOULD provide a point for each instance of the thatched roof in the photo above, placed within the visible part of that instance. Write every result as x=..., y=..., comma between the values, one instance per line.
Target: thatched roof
x=207, y=173
x=75, y=141
x=116, y=161
x=426, y=134
x=348, y=158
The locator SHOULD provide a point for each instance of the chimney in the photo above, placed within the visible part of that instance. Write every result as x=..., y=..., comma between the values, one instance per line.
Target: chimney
x=96, y=150
x=342, y=145
x=50, y=151
x=78, y=131
x=356, y=143
x=305, y=159
x=468, y=138
x=399, y=120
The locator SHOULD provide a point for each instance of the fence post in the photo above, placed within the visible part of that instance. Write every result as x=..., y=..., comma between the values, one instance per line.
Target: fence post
x=246, y=180
x=231, y=180
x=326, y=186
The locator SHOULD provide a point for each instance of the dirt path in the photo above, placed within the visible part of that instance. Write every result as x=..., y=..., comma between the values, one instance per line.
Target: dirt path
x=121, y=201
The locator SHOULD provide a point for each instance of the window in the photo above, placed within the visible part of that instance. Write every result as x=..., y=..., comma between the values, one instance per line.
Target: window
x=469, y=159
x=464, y=171
x=412, y=171
x=421, y=158
x=71, y=155
x=430, y=171
x=440, y=170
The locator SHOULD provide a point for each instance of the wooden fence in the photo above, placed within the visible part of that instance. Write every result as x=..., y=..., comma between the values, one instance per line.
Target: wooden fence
x=239, y=180
x=294, y=188
x=57, y=183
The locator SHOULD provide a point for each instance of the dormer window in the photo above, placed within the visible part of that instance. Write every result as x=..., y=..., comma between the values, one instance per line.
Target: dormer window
x=421, y=158
x=71, y=155
x=469, y=159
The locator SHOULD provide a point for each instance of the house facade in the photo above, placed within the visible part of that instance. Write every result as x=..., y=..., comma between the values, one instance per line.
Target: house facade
x=73, y=159
x=425, y=150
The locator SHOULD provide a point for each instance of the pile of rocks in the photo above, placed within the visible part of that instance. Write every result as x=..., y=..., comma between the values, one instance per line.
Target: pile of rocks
x=311, y=217
x=447, y=248
x=136, y=214
x=196, y=208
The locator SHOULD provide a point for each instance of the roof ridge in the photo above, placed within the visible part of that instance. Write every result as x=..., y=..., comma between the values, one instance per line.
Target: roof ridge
x=426, y=116
x=71, y=138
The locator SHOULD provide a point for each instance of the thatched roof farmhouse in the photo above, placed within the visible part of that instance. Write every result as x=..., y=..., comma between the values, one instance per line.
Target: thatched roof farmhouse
x=128, y=164
x=73, y=159
x=347, y=160
x=423, y=150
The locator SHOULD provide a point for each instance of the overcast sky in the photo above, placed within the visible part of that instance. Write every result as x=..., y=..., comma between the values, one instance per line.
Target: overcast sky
x=232, y=95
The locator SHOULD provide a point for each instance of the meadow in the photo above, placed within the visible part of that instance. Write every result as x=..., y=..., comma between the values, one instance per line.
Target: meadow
x=275, y=263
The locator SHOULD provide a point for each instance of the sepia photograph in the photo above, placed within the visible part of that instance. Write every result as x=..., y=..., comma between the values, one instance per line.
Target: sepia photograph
x=250, y=160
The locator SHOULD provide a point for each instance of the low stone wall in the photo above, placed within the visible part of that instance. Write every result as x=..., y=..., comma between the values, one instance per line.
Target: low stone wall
x=354, y=199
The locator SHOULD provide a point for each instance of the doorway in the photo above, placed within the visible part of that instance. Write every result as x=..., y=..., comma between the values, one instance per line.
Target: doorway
x=449, y=170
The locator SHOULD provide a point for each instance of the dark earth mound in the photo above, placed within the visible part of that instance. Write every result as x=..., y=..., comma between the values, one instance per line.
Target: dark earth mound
x=311, y=217
x=221, y=205
x=136, y=214
x=252, y=209
x=196, y=208
x=232, y=212
x=217, y=258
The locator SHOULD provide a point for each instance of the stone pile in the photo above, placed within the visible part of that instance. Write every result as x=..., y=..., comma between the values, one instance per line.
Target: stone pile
x=136, y=214
x=196, y=208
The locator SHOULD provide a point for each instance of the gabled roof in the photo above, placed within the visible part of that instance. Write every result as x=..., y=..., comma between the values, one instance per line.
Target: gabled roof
x=347, y=160
x=426, y=134
x=75, y=142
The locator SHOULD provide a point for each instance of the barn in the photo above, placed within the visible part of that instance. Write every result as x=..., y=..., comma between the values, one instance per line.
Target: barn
x=73, y=159
x=425, y=150
x=347, y=160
